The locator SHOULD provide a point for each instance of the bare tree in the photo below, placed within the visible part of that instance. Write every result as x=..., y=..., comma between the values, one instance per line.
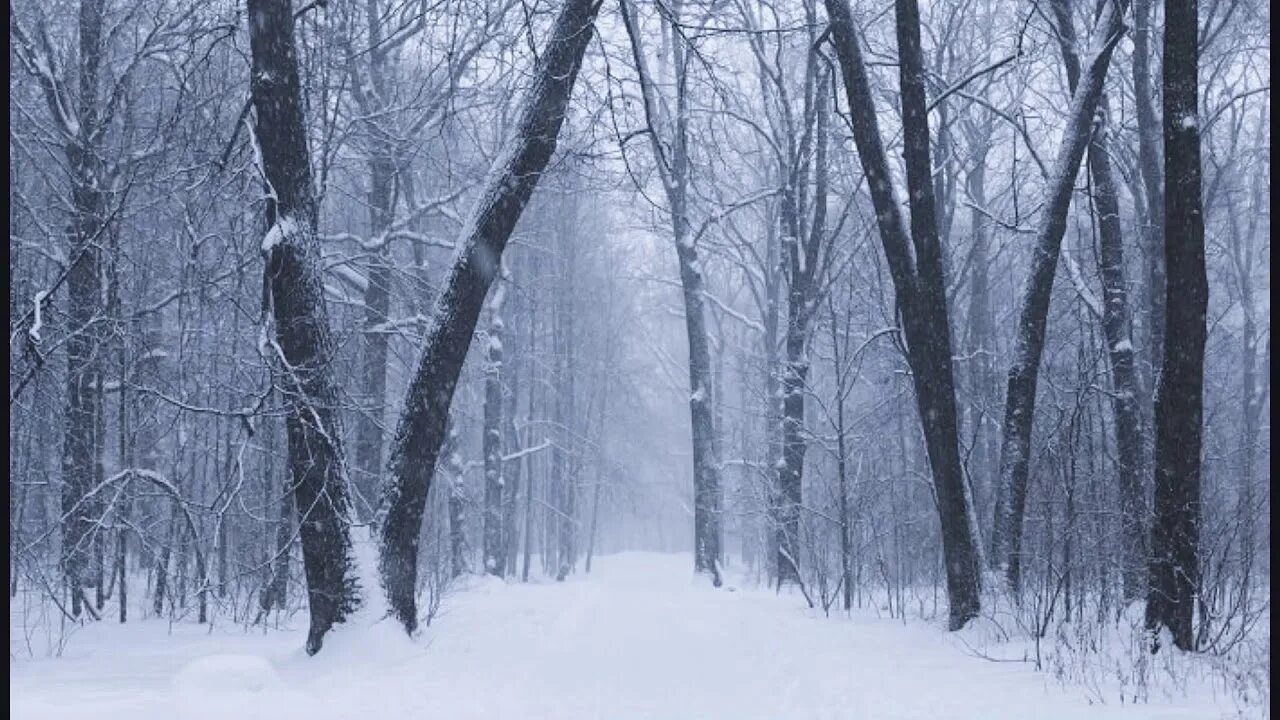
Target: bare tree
x=675, y=172
x=915, y=264
x=1175, y=533
x=422, y=425
x=294, y=293
x=1024, y=369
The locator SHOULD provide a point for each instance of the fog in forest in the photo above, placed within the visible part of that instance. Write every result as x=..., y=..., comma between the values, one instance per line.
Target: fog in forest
x=639, y=358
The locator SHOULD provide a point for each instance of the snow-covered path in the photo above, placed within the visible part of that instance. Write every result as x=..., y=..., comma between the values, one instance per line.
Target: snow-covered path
x=638, y=638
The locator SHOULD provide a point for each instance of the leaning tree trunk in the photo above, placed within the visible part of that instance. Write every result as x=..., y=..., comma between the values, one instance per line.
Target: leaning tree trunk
x=422, y=425
x=1175, y=535
x=1115, y=324
x=1024, y=370
x=294, y=292
x=915, y=266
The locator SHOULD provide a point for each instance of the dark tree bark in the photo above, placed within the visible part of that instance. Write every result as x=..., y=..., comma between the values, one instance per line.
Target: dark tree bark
x=1115, y=323
x=422, y=426
x=294, y=291
x=915, y=265
x=80, y=446
x=1175, y=534
x=803, y=278
x=1024, y=370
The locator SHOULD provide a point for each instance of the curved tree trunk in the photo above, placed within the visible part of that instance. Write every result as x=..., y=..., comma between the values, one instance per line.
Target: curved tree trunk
x=422, y=425
x=1024, y=370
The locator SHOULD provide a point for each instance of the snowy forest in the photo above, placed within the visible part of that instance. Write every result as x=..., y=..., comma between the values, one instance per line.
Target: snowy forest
x=639, y=359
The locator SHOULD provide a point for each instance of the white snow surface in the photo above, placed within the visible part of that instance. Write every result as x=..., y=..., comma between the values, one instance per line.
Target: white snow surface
x=640, y=637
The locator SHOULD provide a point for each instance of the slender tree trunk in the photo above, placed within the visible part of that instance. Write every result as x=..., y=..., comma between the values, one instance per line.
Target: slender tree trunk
x=382, y=163
x=530, y=487
x=707, y=494
x=838, y=361
x=422, y=425
x=84, y=296
x=1024, y=370
x=373, y=363
x=162, y=567
x=919, y=285
x=803, y=276
x=595, y=517
x=294, y=292
x=453, y=473
x=1149, y=162
x=495, y=554
x=1115, y=323
x=565, y=460
x=982, y=344
x=1175, y=536
x=512, y=472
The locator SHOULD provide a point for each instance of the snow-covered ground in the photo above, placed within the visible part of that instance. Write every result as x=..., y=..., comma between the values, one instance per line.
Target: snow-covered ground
x=637, y=638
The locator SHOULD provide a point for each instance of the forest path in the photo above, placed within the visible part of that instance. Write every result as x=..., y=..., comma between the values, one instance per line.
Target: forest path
x=639, y=637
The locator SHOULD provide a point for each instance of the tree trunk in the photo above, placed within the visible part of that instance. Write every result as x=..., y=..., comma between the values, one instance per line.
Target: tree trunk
x=1175, y=536
x=84, y=296
x=982, y=347
x=422, y=426
x=1149, y=168
x=1115, y=324
x=381, y=161
x=1024, y=370
x=803, y=275
x=373, y=363
x=565, y=460
x=919, y=285
x=495, y=553
x=707, y=494
x=530, y=486
x=294, y=291
x=453, y=473
x=512, y=472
